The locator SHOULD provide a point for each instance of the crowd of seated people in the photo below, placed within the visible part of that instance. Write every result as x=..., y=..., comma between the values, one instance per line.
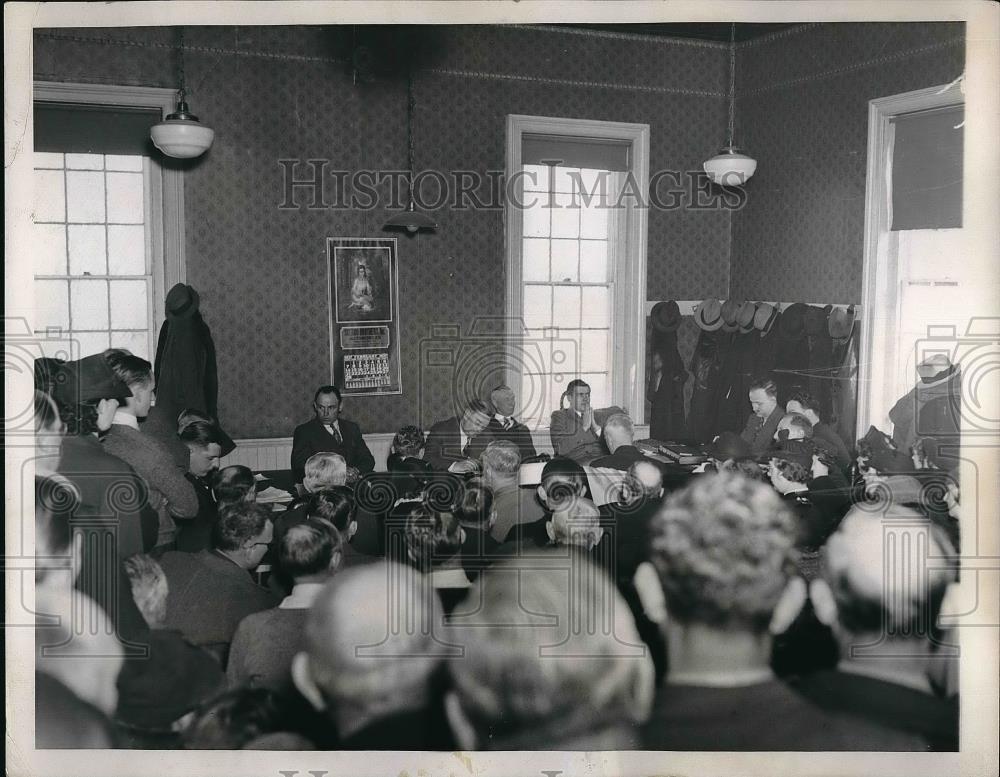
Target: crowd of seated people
x=744, y=606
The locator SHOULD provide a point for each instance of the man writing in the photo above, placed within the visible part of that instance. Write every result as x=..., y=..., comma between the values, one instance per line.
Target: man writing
x=327, y=431
x=762, y=425
x=457, y=443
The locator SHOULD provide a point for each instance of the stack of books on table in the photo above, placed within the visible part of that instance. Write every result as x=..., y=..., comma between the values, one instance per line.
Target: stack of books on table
x=682, y=454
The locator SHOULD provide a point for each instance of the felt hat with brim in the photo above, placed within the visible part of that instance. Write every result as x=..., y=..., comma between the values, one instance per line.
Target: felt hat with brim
x=884, y=456
x=87, y=380
x=666, y=316
x=765, y=317
x=729, y=445
x=816, y=320
x=792, y=324
x=730, y=310
x=840, y=323
x=745, y=316
x=182, y=301
x=708, y=315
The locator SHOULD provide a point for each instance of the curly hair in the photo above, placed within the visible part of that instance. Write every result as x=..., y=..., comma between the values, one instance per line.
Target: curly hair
x=431, y=535
x=746, y=467
x=724, y=548
x=239, y=523
x=409, y=441
x=79, y=418
x=792, y=470
x=474, y=504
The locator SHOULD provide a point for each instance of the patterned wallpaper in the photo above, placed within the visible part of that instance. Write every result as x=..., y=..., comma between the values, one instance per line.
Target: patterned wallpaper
x=803, y=114
x=286, y=92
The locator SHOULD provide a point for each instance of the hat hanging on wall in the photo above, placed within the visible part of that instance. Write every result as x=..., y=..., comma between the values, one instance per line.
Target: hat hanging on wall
x=729, y=167
x=181, y=135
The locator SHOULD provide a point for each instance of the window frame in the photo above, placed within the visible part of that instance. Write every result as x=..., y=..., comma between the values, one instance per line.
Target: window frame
x=627, y=370
x=165, y=204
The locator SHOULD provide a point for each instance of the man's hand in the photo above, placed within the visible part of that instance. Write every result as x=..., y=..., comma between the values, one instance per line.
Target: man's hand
x=464, y=467
x=589, y=422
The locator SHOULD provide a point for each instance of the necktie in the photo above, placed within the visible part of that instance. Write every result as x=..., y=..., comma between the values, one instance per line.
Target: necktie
x=336, y=434
x=507, y=423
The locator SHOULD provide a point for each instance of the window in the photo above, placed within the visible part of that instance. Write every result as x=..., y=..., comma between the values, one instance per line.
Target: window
x=108, y=234
x=575, y=262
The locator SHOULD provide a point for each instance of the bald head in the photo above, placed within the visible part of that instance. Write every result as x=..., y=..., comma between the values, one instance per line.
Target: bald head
x=644, y=479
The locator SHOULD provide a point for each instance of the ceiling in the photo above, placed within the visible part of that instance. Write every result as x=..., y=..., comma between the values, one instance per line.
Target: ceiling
x=718, y=32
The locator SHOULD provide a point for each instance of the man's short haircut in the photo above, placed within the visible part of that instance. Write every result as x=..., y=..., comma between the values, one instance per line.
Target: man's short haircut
x=129, y=369
x=409, y=440
x=474, y=504
x=807, y=401
x=767, y=385
x=238, y=524
x=233, y=484
x=334, y=505
x=431, y=534
x=562, y=477
x=477, y=405
x=502, y=457
x=879, y=593
x=200, y=434
x=149, y=588
x=513, y=694
x=621, y=422
x=800, y=422
x=575, y=384
x=327, y=390
x=581, y=525
x=724, y=550
x=307, y=548
x=792, y=470
x=746, y=467
x=56, y=500
x=324, y=470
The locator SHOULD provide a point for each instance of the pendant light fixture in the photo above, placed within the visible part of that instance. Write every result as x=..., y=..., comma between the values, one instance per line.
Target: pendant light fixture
x=181, y=135
x=729, y=167
x=411, y=219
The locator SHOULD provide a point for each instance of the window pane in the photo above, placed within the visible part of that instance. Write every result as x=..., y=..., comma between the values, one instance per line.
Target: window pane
x=50, y=249
x=594, y=261
x=596, y=307
x=87, y=255
x=565, y=261
x=91, y=342
x=566, y=351
x=536, y=221
x=537, y=306
x=565, y=216
x=129, y=306
x=533, y=399
x=85, y=197
x=127, y=163
x=85, y=161
x=599, y=396
x=557, y=385
x=89, y=304
x=594, y=181
x=125, y=203
x=136, y=342
x=530, y=356
x=126, y=250
x=50, y=196
x=52, y=305
x=566, y=307
x=536, y=178
x=43, y=159
x=594, y=350
x=565, y=179
x=535, y=259
x=594, y=220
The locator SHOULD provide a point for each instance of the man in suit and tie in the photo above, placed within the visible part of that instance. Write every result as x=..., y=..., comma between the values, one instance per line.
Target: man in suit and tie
x=327, y=431
x=575, y=431
x=762, y=425
x=454, y=443
x=503, y=426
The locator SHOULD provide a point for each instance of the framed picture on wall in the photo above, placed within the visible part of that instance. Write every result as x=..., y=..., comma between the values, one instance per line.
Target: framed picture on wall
x=364, y=317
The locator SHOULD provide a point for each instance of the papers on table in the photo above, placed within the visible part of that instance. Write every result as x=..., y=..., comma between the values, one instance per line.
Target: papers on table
x=258, y=477
x=272, y=495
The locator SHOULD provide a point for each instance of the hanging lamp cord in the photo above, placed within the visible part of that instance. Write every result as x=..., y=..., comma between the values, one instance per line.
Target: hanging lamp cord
x=182, y=92
x=410, y=108
x=732, y=82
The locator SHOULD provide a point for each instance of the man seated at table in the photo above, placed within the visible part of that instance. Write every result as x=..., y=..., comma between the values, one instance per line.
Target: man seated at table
x=503, y=425
x=762, y=425
x=327, y=431
x=823, y=433
x=618, y=436
x=514, y=505
x=574, y=430
x=458, y=442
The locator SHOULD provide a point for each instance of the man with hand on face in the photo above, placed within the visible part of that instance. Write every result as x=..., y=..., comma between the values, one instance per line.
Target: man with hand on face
x=327, y=431
x=762, y=425
x=503, y=426
x=575, y=432
x=457, y=443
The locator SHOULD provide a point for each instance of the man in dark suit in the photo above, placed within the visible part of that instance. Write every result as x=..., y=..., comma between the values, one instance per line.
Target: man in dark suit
x=762, y=425
x=454, y=443
x=503, y=426
x=618, y=436
x=329, y=432
x=574, y=430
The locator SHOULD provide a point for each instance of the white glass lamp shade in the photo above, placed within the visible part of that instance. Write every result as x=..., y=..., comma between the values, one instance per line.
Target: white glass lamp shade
x=730, y=168
x=182, y=138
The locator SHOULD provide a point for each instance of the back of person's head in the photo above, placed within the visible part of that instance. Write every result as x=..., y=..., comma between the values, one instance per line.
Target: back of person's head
x=87, y=661
x=234, y=483
x=324, y=470
x=431, y=535
x=234, y=718
x=239, y=524
x=620, y=428
x=130, y=369
x=644, y=480
x=792, y=471
x=527, y=683
x=409, y=441
x=335, y=506
x=310, y=548
x=199, y=432
x=563, y=480
x=747, y=467
x=724, y=550
x=474, y=505
x=884, y=574
x=56, y=500
x=149, y=588
x=353, y=661
x=578, y=525
x=798, y=426
x=501, y=461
